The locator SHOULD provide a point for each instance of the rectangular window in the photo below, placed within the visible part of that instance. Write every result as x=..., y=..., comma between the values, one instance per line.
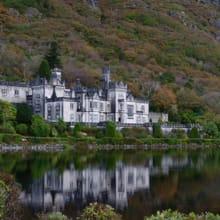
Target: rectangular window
x=16, y=92
x=101, y=107
x=49, y=112
x=102, y=118
x=93, y=105
x=57, y=111
x=4, y=92
x=71, y=106
x=130, y=111
x=72, y=117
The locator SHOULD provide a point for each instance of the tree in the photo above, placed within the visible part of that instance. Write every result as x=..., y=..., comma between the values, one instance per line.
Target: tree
x=7, y=112
x=187, y=99
x=110, y=129
x=77, y=129
x=24, y=114
x=44, y=70
x=167, y=77
x=211, y=130
x=22, y=129
x=53, y=56
x=61, y=127
x=194, y=133
x=163, y=99
x=39, y=127
x=157, y=131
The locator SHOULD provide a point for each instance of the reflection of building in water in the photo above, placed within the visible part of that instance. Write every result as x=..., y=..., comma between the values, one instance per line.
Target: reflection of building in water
x=54, y=190
x=96, y=183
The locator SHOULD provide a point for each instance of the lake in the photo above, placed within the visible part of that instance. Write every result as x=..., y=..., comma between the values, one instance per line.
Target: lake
x=136, y=183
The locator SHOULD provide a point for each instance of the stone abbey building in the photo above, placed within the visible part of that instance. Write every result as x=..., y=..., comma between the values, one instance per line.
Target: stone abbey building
x=52, y=100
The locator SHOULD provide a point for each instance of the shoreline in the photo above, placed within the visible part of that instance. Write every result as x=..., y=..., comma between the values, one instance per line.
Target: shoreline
x=7, y=148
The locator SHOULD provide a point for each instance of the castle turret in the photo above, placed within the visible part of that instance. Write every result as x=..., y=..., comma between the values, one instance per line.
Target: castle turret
x=56, y=76
x=106, y=76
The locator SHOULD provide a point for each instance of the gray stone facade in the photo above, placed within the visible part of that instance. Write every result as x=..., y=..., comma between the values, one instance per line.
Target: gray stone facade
x=52, y=100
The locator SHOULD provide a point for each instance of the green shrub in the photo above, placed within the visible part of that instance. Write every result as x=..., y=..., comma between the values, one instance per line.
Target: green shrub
x=7, y=129
x=97, y=211
x=144, y=19
x=111, y=131
x=53, y=132
x=53, y=216
x=194, y=133
x=21, y=5
x=61, y=127
x=22, y=129
x=174, y=215
x=167, y=78
x=7, y=112
x=77, y=129
x=178, y=133
x=39, y=127
x=135, y=132
x=157, y=131
x=211, y=130
x=11, y=138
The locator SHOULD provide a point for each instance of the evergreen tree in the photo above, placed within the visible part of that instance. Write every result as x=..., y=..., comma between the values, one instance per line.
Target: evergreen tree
x=44, y=70
x=194, y=133
x=110, y=129
x=157, y=131
x=24, y=113
x=53, y=56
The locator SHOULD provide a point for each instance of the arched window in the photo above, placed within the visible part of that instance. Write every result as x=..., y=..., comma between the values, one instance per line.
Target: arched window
x=49, y=111
x=58, y=110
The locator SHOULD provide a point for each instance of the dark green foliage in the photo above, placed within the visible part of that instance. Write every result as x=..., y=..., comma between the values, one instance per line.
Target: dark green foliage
x=144, y=19
x=44, y=70
x=77, y=129
x=188, y=117
x=167, y=78
x=53, y=56
x=11, y=138
x=157, y=131
x=24, y=114
x=39, y=128
x=53, y=132
x=61, y=127
x=22, y=129
x=194, y=133
x=211, y=130
x=7, y=128
x=53, y=216
x=175, y=215
x=7, y=112
x=110, y=130
x=21, y=5
x=178, y=133
x=135, y=133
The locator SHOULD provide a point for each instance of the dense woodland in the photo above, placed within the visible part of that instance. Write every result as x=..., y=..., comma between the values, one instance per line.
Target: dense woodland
x=167, y=51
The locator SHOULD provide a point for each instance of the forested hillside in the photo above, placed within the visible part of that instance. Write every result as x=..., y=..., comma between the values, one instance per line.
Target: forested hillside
x=166, y=50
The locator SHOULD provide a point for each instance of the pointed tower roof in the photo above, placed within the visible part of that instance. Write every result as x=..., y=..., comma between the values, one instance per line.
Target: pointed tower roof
x=54, y=95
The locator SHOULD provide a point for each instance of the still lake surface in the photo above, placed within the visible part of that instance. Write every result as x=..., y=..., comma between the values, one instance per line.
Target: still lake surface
x=136, y=183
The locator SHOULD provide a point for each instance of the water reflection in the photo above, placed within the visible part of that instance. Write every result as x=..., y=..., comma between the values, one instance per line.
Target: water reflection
x=54, y=190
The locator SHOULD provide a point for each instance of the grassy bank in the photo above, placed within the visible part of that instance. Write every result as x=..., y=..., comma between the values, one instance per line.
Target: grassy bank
x=26, y=140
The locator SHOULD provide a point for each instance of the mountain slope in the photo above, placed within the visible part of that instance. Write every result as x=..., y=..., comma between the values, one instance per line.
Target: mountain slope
x=152, y=45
